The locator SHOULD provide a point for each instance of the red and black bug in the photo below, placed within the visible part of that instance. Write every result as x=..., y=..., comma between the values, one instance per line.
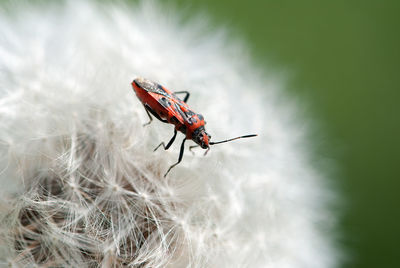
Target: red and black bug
x=168, y=108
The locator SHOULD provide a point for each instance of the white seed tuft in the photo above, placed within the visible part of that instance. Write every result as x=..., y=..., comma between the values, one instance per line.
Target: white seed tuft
x=80, y=184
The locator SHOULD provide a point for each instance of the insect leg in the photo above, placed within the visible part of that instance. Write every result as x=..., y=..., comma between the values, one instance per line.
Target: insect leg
x=169, y=143
x=180, y=157
x=148, y=109
x=151, y=118
x=193, y=146
x=185, y=92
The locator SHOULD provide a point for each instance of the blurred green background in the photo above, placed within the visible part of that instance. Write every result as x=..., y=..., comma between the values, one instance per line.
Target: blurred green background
x=343, y=58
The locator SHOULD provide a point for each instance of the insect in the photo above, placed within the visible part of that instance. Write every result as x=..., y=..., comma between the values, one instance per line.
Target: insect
x=168, y=108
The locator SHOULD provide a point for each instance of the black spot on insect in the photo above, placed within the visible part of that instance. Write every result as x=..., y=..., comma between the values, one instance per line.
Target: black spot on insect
x=174, y=120
x=190, y=117
x=200, y=117
x=192, y=120
x=161, y=90
x=179, y=110
x=183, y=129
x=198, y=131
x=164, y=102
x=189, y=113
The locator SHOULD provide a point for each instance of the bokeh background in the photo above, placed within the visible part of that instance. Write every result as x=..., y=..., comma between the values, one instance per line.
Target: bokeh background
x=342, y=61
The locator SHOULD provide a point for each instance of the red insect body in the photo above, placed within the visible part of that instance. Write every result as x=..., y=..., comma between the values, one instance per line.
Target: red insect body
x=168, y=108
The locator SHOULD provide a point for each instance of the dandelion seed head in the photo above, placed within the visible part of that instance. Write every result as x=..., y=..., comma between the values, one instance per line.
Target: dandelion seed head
x=81, y=185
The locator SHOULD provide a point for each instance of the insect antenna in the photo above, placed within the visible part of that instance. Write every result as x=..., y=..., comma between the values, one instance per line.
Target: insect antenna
x=240, y=137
